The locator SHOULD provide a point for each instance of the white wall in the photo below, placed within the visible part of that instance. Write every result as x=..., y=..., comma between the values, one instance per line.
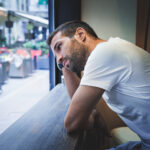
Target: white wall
x=111, y=18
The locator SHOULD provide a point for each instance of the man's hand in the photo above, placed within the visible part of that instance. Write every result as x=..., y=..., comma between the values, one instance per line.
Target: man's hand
x=91, y=120
x=95, y=133
x=97, y=122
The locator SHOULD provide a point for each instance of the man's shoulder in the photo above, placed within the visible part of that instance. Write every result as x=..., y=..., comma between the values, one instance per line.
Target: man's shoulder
x=110, y=45
x=104, y=51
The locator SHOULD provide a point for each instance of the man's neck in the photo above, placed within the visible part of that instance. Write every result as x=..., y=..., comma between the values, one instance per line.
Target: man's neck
x=93, y=43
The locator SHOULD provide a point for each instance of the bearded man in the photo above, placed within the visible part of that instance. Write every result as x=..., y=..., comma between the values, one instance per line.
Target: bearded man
x=115, y=69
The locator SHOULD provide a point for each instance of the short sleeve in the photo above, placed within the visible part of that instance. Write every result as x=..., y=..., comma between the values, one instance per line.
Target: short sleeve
x=106, y=67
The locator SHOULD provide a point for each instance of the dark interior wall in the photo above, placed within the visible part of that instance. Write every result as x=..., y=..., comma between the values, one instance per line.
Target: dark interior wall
x=143, y=24
x=66, y=10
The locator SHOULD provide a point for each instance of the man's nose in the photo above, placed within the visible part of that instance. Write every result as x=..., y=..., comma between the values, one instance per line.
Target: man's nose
x=59, y=59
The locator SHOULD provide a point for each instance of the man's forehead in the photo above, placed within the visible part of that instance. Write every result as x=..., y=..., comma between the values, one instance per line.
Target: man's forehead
x=57, y=37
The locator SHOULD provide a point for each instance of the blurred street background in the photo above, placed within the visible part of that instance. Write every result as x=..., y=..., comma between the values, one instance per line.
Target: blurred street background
x=24, y=57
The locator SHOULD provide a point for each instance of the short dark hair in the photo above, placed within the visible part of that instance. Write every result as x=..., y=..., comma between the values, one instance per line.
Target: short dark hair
x=69, y=29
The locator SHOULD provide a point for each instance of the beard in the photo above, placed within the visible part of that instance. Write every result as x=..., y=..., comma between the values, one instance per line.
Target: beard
x=78, y=57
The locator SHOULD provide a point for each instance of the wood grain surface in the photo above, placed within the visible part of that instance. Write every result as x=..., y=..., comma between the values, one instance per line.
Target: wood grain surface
x=42, y=127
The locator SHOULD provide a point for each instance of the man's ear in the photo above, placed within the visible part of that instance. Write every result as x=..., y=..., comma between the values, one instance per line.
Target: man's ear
x=80, y=34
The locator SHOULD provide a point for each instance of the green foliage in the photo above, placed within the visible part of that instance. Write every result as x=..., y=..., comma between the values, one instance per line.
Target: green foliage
x=43, y=46
x=29, y=45
x=38, y=46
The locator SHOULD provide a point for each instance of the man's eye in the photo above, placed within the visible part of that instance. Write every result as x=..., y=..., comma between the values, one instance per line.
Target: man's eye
x=59, y=47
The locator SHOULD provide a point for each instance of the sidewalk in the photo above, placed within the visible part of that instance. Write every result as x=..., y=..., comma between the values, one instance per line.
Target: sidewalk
x=20, y=94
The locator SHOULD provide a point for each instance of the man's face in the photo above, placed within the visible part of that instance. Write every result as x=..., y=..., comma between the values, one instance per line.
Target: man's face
x=69, y=52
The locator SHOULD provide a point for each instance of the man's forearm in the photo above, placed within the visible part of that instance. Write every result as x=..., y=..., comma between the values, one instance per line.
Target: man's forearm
x=72, y=81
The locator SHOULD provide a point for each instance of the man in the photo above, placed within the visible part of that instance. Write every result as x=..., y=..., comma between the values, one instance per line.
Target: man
x=115, y=69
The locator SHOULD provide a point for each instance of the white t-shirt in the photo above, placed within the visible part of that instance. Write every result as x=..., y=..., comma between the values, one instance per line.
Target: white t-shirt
x=123, y=70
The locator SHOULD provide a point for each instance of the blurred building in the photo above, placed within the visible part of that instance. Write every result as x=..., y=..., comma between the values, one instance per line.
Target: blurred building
x=24, y=29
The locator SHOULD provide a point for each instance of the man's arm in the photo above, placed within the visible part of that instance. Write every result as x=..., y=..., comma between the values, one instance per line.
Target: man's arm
x=83, y=102
x=72, y=81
